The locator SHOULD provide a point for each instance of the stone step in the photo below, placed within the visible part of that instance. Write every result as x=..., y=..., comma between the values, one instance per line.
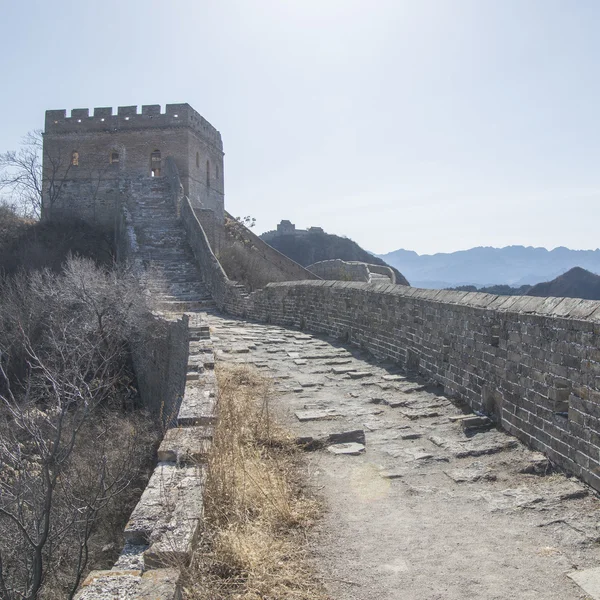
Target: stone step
x=172, y=277
x=165, y=296
x=161, y=285
x=197, y=292
x=200, y=333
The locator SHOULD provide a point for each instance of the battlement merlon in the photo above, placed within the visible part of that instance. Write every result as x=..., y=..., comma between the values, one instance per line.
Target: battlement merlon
x=128, y=118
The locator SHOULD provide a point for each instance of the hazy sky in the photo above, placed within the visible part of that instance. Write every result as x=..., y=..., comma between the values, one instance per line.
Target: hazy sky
x=431, y=125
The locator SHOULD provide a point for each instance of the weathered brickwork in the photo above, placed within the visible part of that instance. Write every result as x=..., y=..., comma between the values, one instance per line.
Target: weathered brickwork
x=160, y=359
x=87, y=158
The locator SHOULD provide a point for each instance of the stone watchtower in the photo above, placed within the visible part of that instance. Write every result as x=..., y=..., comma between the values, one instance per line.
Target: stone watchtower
x=88, y=159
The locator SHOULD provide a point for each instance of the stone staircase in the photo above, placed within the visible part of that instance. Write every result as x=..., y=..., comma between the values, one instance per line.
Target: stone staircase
x=172, y=277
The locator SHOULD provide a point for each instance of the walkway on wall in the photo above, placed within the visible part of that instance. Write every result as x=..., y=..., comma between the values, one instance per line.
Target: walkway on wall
x=432, y=509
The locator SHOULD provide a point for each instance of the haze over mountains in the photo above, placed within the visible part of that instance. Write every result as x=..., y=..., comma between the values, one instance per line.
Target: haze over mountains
x=484, y=266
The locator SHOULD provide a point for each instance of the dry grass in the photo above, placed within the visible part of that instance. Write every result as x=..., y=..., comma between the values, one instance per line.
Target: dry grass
x=257, y=513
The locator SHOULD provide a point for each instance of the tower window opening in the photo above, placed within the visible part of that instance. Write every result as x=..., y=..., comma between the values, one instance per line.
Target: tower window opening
x=208, y=173
x=198, y=160
x=155, y=164
x=114, y=158
x=75, y=158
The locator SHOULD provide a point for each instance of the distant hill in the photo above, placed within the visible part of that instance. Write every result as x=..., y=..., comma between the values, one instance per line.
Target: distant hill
x=485, y=266
x=316, y=245
x=575, y=283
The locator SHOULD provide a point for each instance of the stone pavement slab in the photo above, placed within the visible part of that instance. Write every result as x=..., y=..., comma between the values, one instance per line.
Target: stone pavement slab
x=589, y=581
x=351, y=448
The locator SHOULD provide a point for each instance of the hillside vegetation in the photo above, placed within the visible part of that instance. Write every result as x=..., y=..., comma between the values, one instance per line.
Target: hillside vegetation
x=66, y=379
x=576, y=283
x=28, y=245
x=316, y=246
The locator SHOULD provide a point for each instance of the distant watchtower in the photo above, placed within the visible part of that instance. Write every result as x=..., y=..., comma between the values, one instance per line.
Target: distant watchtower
x=286, y=228
x=88, y=160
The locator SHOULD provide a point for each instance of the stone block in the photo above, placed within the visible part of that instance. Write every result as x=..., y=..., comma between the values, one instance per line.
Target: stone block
x=170, y=509
x=351, y=448
x=160, y=584
x=198, y=405
x=189, y=445
x=588, y=580
x=316, y=415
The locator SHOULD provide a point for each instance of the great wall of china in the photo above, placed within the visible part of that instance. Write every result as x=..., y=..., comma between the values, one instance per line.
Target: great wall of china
x=532, y=364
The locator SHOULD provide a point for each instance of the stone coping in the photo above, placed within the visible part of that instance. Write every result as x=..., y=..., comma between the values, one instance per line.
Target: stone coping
x=573, y=308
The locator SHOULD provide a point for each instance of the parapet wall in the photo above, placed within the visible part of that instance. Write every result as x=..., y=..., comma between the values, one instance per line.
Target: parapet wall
x=387, y=271
x=225, y=293
x=341, y=270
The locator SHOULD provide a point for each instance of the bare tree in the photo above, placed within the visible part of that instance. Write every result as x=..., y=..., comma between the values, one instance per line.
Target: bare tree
x=34, y=177
x=60, y=464
x=21, y=174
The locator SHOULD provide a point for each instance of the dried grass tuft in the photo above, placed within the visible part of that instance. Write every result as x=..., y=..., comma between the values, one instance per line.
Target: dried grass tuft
x=256, y=510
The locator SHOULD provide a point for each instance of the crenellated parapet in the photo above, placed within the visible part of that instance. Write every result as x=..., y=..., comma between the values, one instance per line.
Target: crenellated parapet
x=128, y=118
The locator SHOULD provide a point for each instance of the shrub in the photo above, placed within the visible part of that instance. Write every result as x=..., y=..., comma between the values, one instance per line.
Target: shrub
x=71, y=447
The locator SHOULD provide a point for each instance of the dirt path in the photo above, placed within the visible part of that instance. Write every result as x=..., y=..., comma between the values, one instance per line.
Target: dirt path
x=428, y=511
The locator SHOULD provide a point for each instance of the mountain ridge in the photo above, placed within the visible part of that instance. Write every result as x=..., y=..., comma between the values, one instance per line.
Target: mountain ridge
x=514, y=265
